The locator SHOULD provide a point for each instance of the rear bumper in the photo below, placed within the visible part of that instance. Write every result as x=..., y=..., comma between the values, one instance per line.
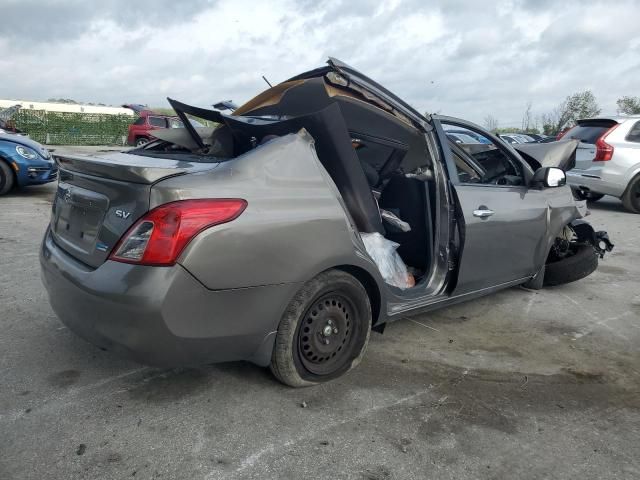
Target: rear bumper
x=598, y=179
x=162, y=315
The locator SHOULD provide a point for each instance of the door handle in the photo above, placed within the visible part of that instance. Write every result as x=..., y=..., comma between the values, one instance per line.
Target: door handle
x=483, y=212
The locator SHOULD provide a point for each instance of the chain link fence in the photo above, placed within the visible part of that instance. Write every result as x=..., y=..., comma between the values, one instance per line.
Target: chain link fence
x=63, y=128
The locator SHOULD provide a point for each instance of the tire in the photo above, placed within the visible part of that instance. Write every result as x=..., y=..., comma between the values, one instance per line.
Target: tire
x=141, y=141
x=6, y=178
x=631, y=197
x=588, y=196
x=332, y=299
x=569, y=269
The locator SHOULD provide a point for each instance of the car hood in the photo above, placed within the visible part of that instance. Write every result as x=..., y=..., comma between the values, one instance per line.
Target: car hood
x=27, y=142
x=560, y=154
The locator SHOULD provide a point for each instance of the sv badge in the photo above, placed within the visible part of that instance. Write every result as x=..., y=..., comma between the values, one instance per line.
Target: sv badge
x=122, y=214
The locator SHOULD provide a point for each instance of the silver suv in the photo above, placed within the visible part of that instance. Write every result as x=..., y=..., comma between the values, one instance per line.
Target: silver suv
x=607, y=159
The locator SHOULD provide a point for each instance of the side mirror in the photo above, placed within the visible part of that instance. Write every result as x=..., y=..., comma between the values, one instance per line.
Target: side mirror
x=549, y=177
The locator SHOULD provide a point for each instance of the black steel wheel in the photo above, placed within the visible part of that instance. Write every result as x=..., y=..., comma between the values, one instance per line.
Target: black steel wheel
x=324, y=331
x=326, y=334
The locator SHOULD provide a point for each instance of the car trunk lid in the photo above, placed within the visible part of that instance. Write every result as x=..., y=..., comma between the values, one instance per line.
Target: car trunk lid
x=588, y=132
x=100, y=197
x=352, y=78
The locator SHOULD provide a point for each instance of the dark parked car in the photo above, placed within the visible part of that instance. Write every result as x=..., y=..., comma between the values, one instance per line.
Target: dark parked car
x=318, y=211
x=8, y=127
x=461, y=138
x=510, y=139
x=518, y=138
x=477, y=137
x=540, y=138
x=7, y=122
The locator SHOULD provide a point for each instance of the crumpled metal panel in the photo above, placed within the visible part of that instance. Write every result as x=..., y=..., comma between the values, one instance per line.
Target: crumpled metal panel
x=560, y=154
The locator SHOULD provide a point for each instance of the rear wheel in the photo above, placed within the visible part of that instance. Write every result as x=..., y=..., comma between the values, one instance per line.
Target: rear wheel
x=6, y=178
x=631, y=197
x=324, y=331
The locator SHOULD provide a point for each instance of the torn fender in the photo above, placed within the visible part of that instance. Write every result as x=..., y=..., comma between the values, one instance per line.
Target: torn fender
x=586, y=234
x=560, y=154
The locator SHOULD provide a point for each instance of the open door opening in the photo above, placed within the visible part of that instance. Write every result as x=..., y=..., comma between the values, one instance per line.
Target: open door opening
x=377, y=158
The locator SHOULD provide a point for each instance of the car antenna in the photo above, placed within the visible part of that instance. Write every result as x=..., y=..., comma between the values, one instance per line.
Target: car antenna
x=265, y=79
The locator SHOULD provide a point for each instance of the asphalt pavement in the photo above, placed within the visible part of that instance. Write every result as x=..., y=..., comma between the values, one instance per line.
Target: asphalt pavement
x=520, y=384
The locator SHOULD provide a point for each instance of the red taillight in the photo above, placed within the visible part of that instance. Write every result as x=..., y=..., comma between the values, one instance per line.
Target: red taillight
x=604, y=151
x=159, y=237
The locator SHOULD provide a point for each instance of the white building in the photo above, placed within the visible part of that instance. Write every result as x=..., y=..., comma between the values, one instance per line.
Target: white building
x=65, y=107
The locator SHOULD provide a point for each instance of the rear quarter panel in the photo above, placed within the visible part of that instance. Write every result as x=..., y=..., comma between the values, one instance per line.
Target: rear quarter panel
x=293, y=228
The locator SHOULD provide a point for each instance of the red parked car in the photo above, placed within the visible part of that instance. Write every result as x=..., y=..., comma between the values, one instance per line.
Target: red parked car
x=140, y=130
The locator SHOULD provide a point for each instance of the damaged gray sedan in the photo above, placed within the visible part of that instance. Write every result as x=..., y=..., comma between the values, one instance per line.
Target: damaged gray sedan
x=320, y=210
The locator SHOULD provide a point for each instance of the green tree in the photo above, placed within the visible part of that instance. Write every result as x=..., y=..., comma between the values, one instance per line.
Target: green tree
x=576, y=106
x=629, y=105
x=63, y=100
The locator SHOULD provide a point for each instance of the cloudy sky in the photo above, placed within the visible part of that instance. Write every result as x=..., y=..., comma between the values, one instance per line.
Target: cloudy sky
x=457, y=57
